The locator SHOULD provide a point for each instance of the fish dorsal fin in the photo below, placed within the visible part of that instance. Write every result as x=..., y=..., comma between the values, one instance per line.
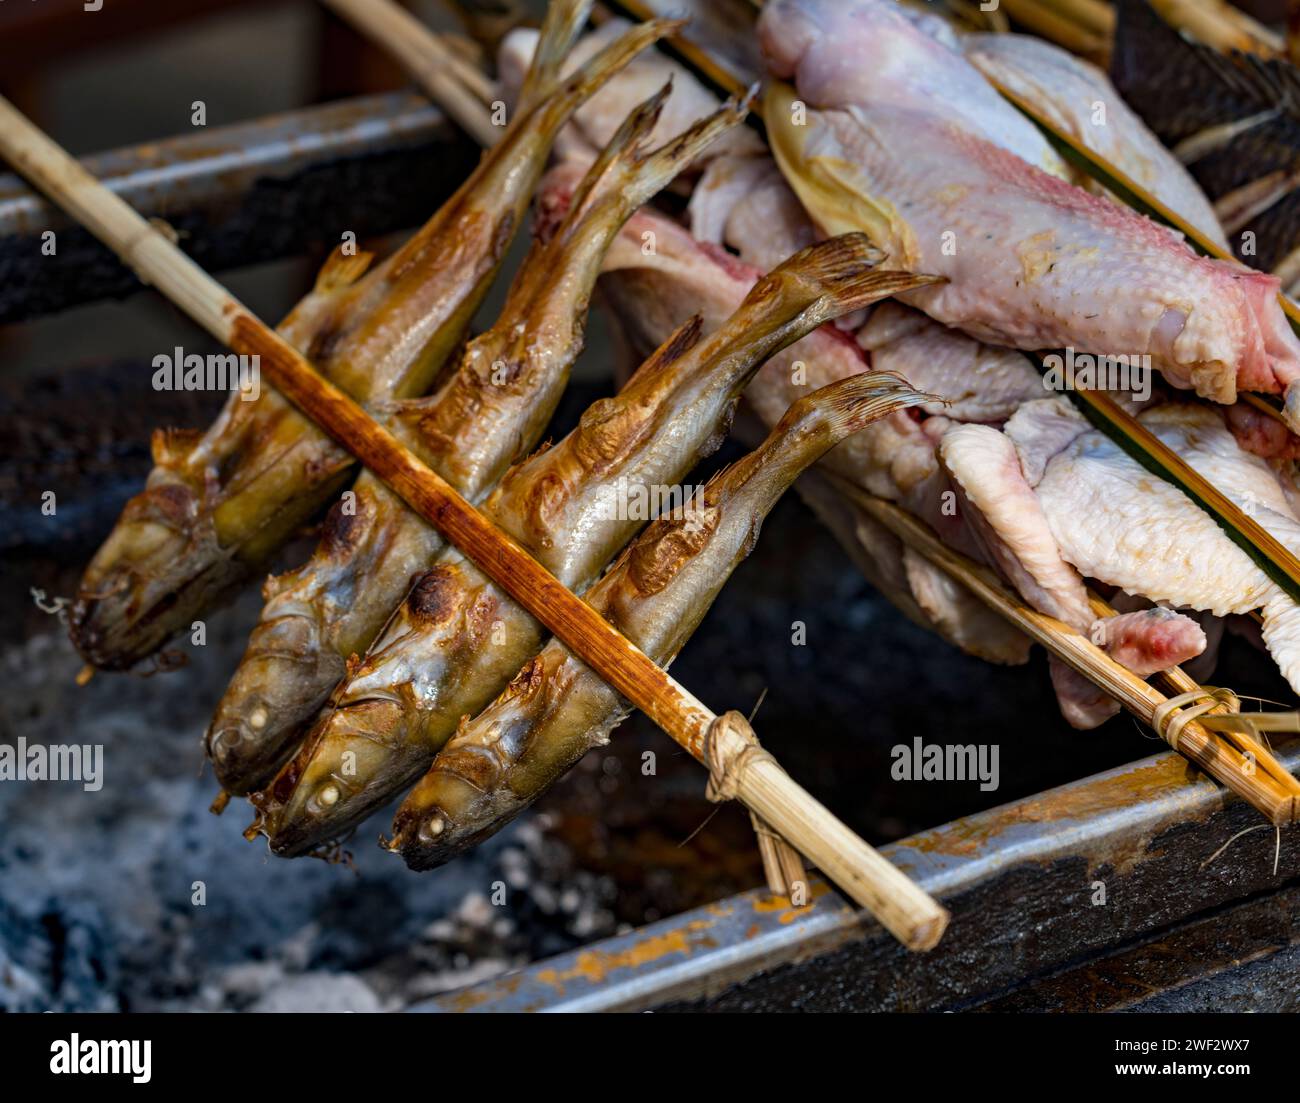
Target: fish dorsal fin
x=342, y=270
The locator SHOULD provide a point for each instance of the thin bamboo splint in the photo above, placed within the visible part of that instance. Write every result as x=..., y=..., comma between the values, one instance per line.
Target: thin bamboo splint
x=449, y=80
x=724, y=744
x=1088, y=26
x=1245, y=738
x=1059, y=26
x=1279, y=801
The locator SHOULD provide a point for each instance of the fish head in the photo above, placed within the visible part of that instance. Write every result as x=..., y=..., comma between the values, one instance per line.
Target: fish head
x=286, y=675
x=126, y=606
x=335, y=780
x=442, y=818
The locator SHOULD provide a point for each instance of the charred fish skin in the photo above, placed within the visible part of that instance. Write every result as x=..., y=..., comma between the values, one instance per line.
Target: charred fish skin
x=218, y=505
x=164, y=561
x=488, y=415
x=557, y=708
x=457, y=640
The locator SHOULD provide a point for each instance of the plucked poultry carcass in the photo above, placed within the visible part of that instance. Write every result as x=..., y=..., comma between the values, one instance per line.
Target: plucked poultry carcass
x=880, y=129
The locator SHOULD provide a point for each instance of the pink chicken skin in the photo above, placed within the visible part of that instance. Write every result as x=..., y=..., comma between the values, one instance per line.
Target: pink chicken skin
x=960, y=190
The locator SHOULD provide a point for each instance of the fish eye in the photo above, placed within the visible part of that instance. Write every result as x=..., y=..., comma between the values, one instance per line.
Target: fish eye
x=324, y=798
x=431, y=828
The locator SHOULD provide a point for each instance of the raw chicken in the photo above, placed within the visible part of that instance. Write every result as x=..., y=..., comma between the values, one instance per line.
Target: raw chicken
x=865, y=53
x=745, y=203
x=657, y=273
x=1005, y=513
x=1041, y=429
x=1079, y=100
x=652, y=289
x=1149, y=640
x=1031, y=261
x=960, y=617
x=1003, y=509
x=1116, y=522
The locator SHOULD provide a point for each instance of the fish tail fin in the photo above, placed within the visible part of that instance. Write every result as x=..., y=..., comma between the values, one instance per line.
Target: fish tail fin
x=588, y=80
x=830, y=414
x=621, y=149
x=651, y=172
x=624, y=177
x=342, y=269
x=810, y=428
x=564, y=21
x=835, y=277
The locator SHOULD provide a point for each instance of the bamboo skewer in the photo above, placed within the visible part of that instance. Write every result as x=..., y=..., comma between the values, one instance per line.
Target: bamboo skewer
x=396, y=30
x=782, y=866
x=450, y=81
x=1277, y=797
x=1058, y=27
x=691, y=55
x=721, y=743
x=1220, y=25
x=1097, y=16
x=1217, y=758
x=1088, y=26
x=421, y=52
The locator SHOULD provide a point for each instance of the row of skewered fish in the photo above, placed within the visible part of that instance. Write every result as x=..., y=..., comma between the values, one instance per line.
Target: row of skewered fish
x=388, y=659
x=320, y=737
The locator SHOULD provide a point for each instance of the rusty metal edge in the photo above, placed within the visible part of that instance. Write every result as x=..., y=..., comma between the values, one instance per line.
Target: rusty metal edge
x=221, y=162
x=702, y=952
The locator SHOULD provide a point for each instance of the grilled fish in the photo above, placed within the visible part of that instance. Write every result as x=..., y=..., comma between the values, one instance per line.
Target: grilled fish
x=457, y=640
x=488, y=415
x=597, y=120
x=896, y=456
x=557, y=708
x=217, y=505
x=651, y=292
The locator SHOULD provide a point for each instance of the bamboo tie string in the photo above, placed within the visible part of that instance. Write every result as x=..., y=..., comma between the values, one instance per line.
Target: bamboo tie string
x=1170, y=717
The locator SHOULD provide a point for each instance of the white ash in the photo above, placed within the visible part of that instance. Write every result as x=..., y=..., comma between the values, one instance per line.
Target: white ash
x=97, y=890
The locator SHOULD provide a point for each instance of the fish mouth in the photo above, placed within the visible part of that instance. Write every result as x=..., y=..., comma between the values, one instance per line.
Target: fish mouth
x=125, y=616
x=296, y=829
x=237, y=747
x=299, y=836
x=441, y=823
x=427, y=838
x=248, y=744
x=303, y=813
x=116, y=627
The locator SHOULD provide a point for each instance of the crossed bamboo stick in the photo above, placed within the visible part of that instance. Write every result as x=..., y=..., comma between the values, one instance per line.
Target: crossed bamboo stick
x=720, y=743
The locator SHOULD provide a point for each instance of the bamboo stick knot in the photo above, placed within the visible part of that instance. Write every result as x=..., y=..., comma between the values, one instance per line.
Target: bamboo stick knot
x=730, y=748
x=1170, y=717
